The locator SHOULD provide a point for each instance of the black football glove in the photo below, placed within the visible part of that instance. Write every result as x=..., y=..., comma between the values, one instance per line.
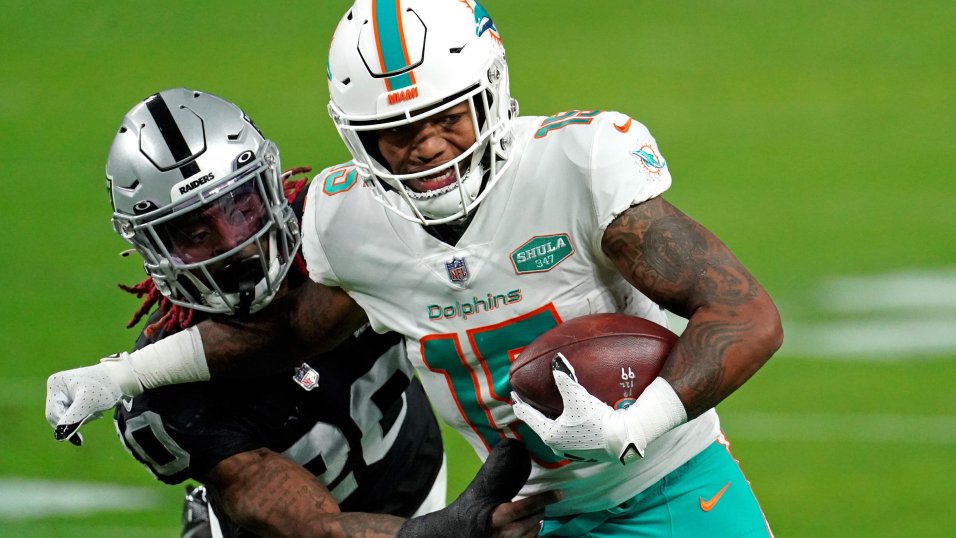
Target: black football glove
x=500, y=478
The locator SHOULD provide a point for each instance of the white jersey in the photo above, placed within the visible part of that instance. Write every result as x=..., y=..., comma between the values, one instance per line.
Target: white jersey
x=530, y=259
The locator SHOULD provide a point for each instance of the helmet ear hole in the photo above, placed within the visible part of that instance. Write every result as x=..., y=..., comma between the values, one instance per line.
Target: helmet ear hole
x=144, y=206
x=244, y=158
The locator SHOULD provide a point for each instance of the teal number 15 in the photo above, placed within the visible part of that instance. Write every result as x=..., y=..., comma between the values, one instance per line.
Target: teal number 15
x=494, y=347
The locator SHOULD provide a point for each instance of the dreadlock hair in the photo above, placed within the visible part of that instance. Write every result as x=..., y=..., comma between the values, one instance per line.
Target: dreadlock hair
x=175, y=318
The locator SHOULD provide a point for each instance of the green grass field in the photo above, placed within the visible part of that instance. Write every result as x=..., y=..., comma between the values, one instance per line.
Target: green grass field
x=816, y=138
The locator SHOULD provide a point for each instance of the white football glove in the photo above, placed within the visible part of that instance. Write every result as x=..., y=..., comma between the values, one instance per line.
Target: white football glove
x=81, y=394
x=588, y=429
x=591, y=430
x=75, y=396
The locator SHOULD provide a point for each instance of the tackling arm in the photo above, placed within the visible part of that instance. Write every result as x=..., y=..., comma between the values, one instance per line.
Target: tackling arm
x=308, y=319
x=733, y=326
x=271, y=495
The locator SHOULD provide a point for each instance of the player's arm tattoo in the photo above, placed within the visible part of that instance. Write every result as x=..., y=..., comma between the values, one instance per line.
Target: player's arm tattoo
x=268, y=494
x=302, y=322
x=733, y=326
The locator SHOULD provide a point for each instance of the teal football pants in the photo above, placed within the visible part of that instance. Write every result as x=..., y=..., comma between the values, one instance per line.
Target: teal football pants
x=707, y=496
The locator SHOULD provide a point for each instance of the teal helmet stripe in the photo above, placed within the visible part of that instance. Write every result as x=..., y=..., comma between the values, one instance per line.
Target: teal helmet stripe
x=391, y=43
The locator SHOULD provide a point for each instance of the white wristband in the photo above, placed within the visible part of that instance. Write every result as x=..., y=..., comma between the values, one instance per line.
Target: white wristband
x=178, y=358
x=657, y=411
x=119, y=371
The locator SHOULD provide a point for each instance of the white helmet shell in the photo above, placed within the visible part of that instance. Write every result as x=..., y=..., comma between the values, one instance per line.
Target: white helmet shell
x=395, y=62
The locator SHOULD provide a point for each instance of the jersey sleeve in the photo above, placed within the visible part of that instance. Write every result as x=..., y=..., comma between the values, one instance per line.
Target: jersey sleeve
x=332, y=223
x=626, y=167
x=320, y=270
x=181, y=432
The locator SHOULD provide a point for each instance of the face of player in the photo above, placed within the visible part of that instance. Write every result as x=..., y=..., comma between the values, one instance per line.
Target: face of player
x=218, y=227
x=427, y=144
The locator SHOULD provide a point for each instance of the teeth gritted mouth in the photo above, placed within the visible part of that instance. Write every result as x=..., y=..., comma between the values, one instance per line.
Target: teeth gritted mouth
x=433, y=185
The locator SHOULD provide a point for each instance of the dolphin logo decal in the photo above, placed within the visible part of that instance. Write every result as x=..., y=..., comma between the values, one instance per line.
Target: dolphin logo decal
x=483, y=21
x=650, y=160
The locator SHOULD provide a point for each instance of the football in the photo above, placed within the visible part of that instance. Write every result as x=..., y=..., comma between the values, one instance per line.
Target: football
x=615, y=357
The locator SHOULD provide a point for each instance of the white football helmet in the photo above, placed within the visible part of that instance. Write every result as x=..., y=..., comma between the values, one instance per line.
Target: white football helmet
x=196, y=189
x=395, y=62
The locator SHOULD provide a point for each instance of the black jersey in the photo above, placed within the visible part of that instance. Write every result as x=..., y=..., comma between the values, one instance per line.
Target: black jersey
x=366, y=430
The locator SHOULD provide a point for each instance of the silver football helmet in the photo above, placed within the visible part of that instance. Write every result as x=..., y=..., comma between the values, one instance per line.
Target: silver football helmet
x=396, y=62
x=196, y=189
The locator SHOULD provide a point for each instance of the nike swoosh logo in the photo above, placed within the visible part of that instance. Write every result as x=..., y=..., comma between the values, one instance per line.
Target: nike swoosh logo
x=708, y=505
x=624, y=128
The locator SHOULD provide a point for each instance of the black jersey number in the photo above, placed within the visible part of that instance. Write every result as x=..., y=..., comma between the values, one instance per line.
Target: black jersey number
x=326, y=442
x=147, y=440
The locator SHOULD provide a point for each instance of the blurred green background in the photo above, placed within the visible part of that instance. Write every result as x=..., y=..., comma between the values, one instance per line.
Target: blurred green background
x=815, y=137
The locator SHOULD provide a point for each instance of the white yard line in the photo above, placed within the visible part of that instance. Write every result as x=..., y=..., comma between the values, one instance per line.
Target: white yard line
x=28, y=498
x=855, y=427
x=897, y=316
x=919, y=290
x=876, y=340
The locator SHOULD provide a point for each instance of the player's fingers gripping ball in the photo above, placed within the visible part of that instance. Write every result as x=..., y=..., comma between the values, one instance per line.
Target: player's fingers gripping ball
x=576, y=386
x=587, y=429
x=614, y=356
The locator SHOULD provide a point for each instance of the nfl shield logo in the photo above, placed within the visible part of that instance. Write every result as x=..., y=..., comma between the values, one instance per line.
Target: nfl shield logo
x=306, y=377
x=457, y=270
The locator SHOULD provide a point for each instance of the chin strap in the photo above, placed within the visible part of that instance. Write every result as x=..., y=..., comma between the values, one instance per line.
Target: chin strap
x=247, y=292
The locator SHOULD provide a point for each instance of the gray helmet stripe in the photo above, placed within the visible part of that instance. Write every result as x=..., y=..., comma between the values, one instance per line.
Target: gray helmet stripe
x=171, y=134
